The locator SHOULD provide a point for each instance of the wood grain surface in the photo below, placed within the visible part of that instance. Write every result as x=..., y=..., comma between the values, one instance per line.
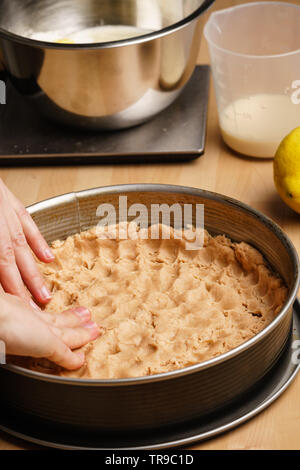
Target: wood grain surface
x=220, y=170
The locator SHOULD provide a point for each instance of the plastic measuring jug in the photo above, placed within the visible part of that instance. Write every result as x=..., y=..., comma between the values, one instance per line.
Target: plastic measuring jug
x=255, y=58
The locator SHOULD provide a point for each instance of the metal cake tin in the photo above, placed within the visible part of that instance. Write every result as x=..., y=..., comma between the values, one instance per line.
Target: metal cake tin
x=280, y=377
x=174, y=398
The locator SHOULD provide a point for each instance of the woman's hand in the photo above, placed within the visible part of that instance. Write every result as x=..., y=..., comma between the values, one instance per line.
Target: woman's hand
x=29, y=332
x=19, y=233
x=24, y=328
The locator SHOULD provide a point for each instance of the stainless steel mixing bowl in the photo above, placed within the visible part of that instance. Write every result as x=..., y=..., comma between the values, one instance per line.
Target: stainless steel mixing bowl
x=106, y=85
x=166, y=399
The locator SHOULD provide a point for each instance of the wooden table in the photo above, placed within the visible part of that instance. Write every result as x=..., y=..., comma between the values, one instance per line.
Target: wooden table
x=220, y=170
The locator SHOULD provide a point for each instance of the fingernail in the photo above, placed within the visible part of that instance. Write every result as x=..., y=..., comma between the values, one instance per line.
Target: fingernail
x=45, y=293
x=91, y=325
x=82, y=313
x=34, y=305
x=95, y=330
x=49, y=254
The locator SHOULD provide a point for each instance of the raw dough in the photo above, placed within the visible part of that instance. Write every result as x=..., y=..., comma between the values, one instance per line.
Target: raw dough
x=162, y=307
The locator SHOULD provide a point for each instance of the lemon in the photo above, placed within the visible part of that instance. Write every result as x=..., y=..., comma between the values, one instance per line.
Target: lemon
x=287, y=170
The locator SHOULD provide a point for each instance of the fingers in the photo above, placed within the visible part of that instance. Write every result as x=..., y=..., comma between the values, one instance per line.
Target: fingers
x=24, y=260
x=75, y=338
x=32, y=234
x=10, y=277
x=69, y=319
x=26, y=334
x=72, y=338
x=17, y=265
x=74, y=328
x=64, y=357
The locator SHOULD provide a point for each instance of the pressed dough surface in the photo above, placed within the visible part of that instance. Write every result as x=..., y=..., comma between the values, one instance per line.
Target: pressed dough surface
x=162, y=307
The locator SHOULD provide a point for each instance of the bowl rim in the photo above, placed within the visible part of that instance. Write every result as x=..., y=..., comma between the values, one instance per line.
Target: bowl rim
x=184, y=190
x=5, y=34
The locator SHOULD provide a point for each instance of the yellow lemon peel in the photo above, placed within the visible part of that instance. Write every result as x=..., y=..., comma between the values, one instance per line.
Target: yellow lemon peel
x=287, y=170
